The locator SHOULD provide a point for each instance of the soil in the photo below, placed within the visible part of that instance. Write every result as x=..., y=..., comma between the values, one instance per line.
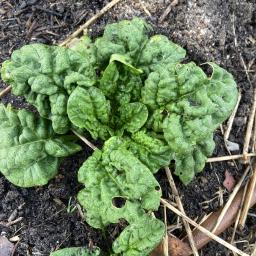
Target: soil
x=219, y=31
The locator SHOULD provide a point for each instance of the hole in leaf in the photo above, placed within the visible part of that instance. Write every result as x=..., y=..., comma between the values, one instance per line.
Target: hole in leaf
x=118, y=202
x=157, y=188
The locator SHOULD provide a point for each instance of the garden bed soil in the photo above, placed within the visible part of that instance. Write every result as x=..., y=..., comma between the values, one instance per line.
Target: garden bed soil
x=219, y=31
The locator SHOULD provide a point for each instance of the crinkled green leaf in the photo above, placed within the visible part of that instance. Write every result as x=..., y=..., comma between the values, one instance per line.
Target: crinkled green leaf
x=133, y=116
x=139, y=239
x=125, y=37
x=120, y=85
x=30, y=150
x=76, y=251
x=119, y=186
x=89, y=109
x=46, y=75
x=85, y=47
x=187, y=106
x=158, y=52
x=116, y=173
x=150, y=150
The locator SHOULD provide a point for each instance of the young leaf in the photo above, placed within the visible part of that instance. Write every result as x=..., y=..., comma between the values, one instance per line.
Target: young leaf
x=140, y=238
x=133, y=116
x=126, y=61
x=90, y=109
x=120, y=85
x=46, y=75
x=76, y=251
x=30, y=151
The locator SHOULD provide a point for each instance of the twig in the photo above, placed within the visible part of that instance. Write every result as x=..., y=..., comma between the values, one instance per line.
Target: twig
x=87, y=142
x=237, y=219
x=254, y=251
x=165, y=242
x=145, y=9
x=249, y=129
x=5, y=91
x=254, y=136
x=78, y=206
x=227, y=158
x=14, y=248
x=10, y=223
x=181, y=208
x=202, y=229
x=167, y=10
x=230, y=200
x=231, y=118
x=248, y=198
x=90, y=21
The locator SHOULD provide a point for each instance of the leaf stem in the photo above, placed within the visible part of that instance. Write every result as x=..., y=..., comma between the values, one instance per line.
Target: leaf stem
x=87, y=142
x=5, y=91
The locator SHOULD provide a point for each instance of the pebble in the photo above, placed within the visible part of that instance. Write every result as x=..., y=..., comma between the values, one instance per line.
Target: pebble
x=232, y=146
x=6, y=247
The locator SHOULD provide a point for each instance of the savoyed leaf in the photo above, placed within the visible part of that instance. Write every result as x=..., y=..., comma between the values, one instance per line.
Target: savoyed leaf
x=85, y=47
x=125, y=37
x=158, y=52
x=46, y=75
x=133, y=116
x=120, y=85
x=139, y=239
x=187, y=107
x=30, y=150
x=116, y=173
x=118, y=186
x=150, y=150
x=76, y=251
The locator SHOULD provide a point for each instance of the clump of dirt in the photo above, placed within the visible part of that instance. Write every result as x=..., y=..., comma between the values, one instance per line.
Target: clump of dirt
x=219, y=31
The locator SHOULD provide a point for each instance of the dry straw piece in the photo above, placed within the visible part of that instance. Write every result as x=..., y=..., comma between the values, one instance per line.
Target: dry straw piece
x=204, y=230
x=180, y=206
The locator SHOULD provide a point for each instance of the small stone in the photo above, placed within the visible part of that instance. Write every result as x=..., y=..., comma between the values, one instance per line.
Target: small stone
x=204, y=180
x=6, y=247
x=23, y=5
x=232, y=146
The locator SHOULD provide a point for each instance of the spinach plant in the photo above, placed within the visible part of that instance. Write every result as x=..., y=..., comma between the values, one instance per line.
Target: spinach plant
x=135, y=93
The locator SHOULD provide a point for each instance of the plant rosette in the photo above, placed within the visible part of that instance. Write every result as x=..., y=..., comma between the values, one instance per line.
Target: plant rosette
x=130, y=90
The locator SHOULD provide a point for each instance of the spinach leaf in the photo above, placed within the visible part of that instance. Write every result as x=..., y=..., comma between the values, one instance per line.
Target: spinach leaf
x=46, y=75
x=76, y=251
x=119, y=186
x=30, y=151
x=186, y=107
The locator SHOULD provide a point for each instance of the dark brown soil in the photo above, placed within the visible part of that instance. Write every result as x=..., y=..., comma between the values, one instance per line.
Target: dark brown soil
x=220, y=31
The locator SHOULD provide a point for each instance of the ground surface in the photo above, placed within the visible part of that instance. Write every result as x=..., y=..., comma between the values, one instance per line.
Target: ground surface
x=220, y=31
